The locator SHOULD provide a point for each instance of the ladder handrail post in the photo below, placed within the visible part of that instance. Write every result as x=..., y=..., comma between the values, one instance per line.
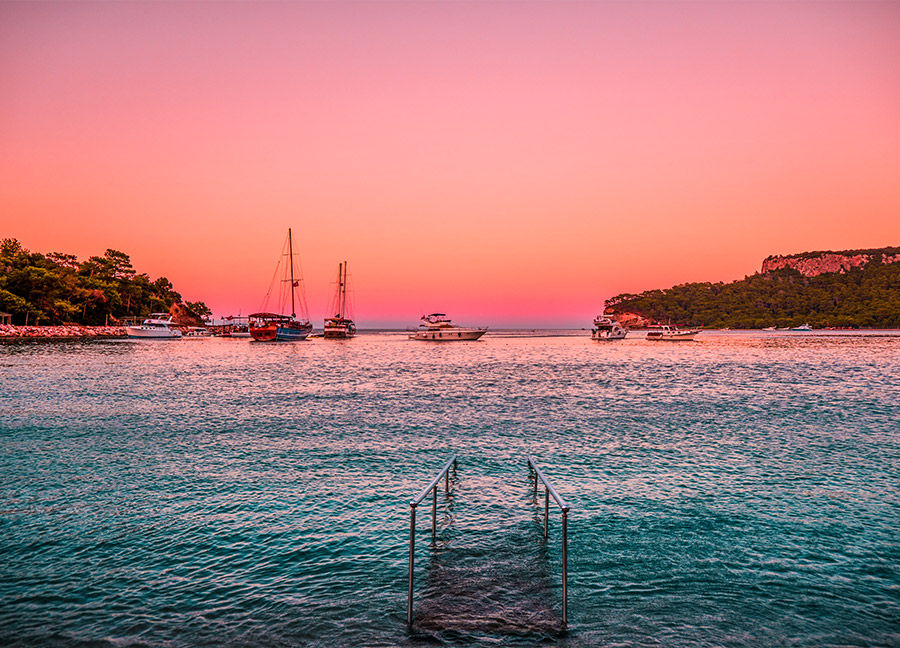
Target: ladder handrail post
x=412, y=553
x=546, y=512
x=434, y=514
x=565, y=567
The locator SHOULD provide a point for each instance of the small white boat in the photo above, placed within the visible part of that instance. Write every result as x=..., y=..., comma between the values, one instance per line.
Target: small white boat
x=196, y=333
x=439, y=328
x=770, y=328
x=670, y=333
x=606, y=328
x=802, y=327
x=155, y=327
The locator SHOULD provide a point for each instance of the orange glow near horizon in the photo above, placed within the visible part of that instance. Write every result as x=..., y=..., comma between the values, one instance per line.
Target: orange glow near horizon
x=510, y=164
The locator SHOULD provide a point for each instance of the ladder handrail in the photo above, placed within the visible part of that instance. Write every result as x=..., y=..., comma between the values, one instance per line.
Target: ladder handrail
x=559, y=500
x=413, y=503
x=417, y=500
x=548, y=491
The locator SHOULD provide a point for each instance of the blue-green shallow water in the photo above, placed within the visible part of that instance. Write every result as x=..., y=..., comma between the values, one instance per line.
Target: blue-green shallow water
x=743, y=489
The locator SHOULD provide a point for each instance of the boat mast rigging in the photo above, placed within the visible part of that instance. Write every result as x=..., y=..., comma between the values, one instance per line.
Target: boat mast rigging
x=291, y=257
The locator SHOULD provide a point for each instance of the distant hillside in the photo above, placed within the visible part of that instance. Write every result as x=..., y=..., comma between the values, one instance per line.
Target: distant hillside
x=842, y=289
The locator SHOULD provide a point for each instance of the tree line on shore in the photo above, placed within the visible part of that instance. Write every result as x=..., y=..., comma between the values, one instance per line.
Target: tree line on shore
x=57, y=288
x=867, y=296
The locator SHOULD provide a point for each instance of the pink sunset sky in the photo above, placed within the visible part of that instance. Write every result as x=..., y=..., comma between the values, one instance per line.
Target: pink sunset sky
x=508, y=163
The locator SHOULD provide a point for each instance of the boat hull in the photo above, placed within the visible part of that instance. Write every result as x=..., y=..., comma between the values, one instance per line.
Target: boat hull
x=338, y=333
x=450, y=335
x=292, y=333
x=264, y=333
x=281, y=331
x=679, y=336
x=140, y=333
x=608, y=334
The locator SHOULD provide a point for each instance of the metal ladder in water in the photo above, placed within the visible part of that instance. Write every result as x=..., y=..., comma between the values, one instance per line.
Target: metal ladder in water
x=432, y=488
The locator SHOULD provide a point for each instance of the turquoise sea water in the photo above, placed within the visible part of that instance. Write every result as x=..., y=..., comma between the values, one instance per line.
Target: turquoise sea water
x=740, y=490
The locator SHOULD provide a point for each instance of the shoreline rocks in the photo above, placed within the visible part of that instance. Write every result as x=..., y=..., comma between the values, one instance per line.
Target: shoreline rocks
x=13, y=332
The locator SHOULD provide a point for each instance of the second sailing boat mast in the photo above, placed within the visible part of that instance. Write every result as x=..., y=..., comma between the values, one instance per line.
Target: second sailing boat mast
x=291, y=257
x=342, y=289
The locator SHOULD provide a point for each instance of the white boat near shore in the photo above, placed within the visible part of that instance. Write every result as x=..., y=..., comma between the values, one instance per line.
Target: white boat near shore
x=155, y=327
x=668, y=333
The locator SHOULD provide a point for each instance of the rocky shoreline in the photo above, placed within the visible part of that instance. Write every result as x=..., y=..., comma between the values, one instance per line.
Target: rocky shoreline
x=9, y=331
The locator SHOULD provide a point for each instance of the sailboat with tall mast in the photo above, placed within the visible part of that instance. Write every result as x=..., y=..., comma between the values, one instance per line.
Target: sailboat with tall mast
x=267, y=326
x=340, y=326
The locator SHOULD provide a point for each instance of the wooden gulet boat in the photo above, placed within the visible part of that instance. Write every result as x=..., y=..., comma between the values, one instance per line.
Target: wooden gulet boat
x=267, y=326
x=340, y=326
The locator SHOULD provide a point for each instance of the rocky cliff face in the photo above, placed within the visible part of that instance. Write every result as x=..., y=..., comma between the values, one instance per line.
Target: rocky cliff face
x=815, y=263
x=182, y=316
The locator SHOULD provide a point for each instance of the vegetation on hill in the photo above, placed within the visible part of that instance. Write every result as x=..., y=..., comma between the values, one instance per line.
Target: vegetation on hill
x=58, y=288
x=868, y=297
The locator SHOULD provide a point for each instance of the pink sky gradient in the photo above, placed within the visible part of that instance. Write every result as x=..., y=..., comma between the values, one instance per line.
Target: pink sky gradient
x=508, y=163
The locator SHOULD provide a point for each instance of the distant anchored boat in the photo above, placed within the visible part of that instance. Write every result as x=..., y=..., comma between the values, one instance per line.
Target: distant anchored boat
x=438, y=327
x=802, y=327
x=270, y=327
x=606, y=328
x=197, y=333
x=340, y=326
x=237, y=327
x=155, y=327
x=668, y=333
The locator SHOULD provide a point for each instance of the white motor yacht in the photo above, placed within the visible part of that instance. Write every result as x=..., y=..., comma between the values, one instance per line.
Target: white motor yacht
x=439, y=328
x=155, y=327
x=606, y=328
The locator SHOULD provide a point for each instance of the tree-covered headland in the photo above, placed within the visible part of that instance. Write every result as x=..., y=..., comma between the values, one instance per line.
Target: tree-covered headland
x=866, y=296
x=57, y=288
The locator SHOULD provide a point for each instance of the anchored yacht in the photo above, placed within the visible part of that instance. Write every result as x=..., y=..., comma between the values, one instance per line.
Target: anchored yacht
x=439, y=328
x=606, y=328
x=155, y=327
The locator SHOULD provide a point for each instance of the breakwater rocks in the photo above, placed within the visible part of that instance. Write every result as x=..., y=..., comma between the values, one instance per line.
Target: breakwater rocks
x=9, y=331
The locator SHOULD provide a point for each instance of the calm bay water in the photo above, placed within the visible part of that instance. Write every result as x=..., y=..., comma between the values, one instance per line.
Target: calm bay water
x=743, y=489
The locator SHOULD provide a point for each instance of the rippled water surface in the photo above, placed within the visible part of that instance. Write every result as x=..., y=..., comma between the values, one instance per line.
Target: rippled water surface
x=743, y=489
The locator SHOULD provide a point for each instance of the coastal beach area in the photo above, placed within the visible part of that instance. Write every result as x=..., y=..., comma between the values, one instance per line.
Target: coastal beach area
x=61, y=331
